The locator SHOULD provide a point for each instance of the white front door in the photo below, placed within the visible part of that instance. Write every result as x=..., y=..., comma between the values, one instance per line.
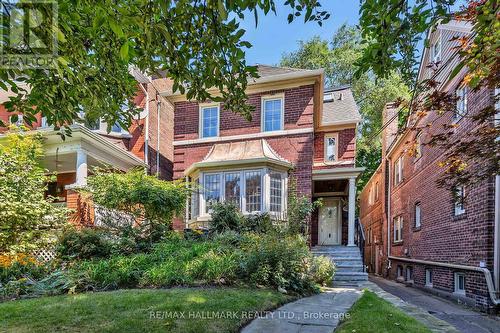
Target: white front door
x=329, y=222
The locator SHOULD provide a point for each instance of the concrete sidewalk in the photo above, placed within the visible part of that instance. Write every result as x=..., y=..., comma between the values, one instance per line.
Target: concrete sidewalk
x=316, y=314
x=462, y=318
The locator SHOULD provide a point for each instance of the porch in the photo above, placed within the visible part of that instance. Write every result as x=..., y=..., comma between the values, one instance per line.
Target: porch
x=334, y=223
x=71, y=161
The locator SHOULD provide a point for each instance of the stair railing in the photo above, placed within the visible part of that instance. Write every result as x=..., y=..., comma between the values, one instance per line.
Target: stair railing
x=359, y=240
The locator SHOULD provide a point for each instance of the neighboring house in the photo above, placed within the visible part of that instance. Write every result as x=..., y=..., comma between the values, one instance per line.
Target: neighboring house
x=298, y=131
x=419, y=233
x=147, y=143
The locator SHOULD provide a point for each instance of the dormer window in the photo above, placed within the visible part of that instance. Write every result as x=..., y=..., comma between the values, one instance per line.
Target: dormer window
x=272, y=114
x=436, y=50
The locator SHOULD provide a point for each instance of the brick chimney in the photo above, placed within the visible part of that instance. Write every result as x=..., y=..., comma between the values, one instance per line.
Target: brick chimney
x=390, y=121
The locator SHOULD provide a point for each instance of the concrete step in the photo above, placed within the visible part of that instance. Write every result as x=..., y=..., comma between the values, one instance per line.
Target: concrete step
x=349, y=268
x=350, y=276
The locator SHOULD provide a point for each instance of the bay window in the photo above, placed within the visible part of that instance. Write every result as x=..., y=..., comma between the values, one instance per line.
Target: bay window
x=252, y=190
x=211, y=183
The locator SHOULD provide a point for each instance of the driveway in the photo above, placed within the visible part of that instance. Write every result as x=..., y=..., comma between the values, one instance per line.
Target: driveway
x=464, y=319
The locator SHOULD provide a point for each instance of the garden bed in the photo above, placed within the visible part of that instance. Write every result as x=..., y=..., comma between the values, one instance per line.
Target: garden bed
x=157, y=310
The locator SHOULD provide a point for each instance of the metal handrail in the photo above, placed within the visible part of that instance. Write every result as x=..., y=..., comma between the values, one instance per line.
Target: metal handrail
x=359, y=239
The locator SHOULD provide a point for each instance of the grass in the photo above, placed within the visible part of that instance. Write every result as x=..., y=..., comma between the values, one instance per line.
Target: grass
x=373, y=314
x=131, y=310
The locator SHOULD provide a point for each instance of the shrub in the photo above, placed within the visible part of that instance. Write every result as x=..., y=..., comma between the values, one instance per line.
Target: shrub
x=259, y=223
x=322, y=270
x=278, y=262
x=299, y=209
x=86, y=243
x=225, y=216
x=135, y=196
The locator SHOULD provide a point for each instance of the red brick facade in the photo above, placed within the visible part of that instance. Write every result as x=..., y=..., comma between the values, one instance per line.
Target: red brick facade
x=443, y=236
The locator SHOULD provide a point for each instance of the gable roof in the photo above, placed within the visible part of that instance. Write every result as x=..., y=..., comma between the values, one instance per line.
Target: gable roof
x=339, y=107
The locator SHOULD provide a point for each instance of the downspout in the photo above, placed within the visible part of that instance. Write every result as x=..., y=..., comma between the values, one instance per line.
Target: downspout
x=487, y=274
x=496, y=239
x=389, y=184
x=146, y=136
x=158, y=107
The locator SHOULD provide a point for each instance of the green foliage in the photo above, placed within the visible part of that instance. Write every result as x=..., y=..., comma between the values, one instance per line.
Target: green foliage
x=278, y=261
x=260, y=223
x=225, y=216
x=134, y=196
x=339, y=58
x=28, y=220
x=299, y=210
x=81, y=244
x=322, y=270
x=197, y=44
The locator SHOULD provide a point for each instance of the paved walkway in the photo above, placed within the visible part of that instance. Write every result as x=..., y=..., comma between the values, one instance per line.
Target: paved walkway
x=462, y=318
x=316, y=314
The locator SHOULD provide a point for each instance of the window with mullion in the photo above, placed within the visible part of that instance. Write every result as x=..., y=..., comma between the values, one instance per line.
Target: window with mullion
x=232, y=188
x=276, y=193
x=211, y=184
x=210, y=121
x=253, y=191
x=273, y=114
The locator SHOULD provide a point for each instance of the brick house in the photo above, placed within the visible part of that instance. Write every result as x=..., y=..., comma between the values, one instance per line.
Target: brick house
x=91, y=145
x=417, y=232
x=298, y=131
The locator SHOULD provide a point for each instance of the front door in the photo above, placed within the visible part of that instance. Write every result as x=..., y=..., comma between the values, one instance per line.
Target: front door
x=329, y=222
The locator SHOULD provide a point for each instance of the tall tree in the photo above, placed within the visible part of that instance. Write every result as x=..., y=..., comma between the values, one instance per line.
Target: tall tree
x=338, y=57
x=198, y=44
x=392, y=31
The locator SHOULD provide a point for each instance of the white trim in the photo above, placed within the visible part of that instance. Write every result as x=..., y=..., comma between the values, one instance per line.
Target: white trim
x=263, y=99
x=457, y=289
x=336, y=173
x=336, y=147
x=266, y=79
x=202, y=106
x=265, y=189
x=399, y=220
x=258, y=135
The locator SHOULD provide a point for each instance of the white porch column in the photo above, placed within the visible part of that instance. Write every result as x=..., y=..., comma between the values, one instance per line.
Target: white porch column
x=352, y=211
x=81, y=167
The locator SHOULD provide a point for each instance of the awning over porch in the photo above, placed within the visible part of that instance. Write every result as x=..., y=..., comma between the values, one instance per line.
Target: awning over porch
x=239, y=154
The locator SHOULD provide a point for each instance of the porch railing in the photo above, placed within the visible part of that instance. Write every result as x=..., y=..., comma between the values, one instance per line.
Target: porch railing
x=359, y=239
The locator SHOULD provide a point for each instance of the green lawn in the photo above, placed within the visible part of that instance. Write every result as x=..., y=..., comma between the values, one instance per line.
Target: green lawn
x=373, y=314
x=131, y=310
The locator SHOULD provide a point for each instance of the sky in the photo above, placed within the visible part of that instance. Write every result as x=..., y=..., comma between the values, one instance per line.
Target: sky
x=274, y=36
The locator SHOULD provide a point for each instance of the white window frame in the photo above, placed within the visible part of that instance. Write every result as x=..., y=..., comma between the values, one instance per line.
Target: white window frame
x=418, y=149
x=398, y=171
x=200, y=117
x=461, y=110
x=265, y=189
x=409, y=274
x=398, y=229
x=418, y=215
x=428, y=277
x=336, y=148
x=436, y=56
x=262, y=113
x=459, y=204
x=458, y=290
x=399, y=271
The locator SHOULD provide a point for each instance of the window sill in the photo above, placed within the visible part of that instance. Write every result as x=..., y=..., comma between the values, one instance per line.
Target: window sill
x=428, y=285
x=397, y=243
x=416, y=229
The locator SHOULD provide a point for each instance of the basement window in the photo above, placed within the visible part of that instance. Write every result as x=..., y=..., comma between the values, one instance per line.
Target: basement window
x=428, y=277
x=460, y=283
